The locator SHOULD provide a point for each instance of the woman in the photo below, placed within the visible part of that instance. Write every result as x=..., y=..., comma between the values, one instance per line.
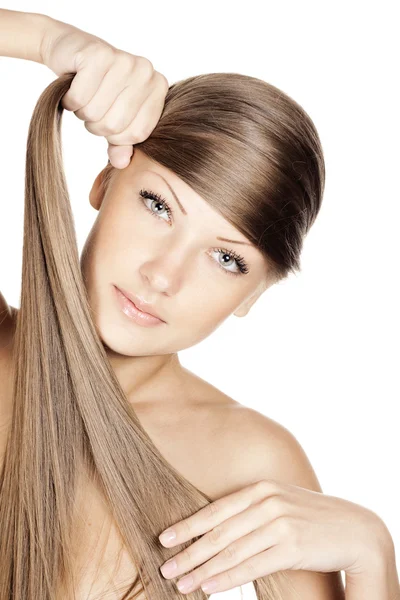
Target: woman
x=109, y=439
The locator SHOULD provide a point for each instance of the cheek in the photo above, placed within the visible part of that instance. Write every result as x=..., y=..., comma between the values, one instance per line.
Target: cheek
x=208, y=307
x=203, y=314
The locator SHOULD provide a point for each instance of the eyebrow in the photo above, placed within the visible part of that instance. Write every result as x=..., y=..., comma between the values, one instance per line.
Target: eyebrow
x=185, y=213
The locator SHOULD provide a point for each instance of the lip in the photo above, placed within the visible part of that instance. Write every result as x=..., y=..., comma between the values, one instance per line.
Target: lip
x=132, y=307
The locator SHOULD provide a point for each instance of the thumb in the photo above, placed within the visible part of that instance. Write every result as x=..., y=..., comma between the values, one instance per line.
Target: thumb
x=120, y=156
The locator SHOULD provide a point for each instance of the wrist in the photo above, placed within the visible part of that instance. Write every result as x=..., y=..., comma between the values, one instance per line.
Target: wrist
x=378, y=578
x=376, y=548
x=380, y=582
x=52, y=30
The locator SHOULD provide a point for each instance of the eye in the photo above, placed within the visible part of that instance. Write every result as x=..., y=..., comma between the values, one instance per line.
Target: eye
x=239, y=260
x=156, y=201
x=159, y=201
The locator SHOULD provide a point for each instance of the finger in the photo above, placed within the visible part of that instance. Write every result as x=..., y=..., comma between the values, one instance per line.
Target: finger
x=214, y=513
x=148, y=115
x=121, y=114
x=265, y=563
x=87, y=81
x=226, y=545
x=244, y=548
x=119, y=96
x=143, y=122
x=120, y=156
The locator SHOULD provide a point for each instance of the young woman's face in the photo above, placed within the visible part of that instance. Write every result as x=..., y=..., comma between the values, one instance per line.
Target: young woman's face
x=168, y=258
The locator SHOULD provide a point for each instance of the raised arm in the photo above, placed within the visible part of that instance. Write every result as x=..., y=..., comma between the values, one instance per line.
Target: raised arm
x=21, y=34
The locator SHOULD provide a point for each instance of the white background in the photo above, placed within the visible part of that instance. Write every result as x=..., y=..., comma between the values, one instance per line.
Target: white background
x=318, y=353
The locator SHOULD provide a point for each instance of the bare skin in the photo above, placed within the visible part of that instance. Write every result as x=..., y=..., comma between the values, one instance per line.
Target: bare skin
x=188, y=434
x=170, y=265
x=189, y=420
x=170, y=262
x=249, y=447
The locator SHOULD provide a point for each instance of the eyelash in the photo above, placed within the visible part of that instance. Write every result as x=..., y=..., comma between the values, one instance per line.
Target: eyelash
x=243, y=268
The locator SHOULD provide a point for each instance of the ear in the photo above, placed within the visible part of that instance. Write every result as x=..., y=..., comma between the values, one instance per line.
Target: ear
x=244, y=308
x=96, y=194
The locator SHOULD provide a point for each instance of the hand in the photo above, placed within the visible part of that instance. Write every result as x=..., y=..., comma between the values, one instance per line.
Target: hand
x=268, y=527
x=119, y=95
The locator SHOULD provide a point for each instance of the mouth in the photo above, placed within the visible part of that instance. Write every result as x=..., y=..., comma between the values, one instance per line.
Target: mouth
x=135, y=307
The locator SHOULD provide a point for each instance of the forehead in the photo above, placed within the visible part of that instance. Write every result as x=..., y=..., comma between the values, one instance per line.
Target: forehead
x=143, y=172
x=190, y=204
x=141, y=164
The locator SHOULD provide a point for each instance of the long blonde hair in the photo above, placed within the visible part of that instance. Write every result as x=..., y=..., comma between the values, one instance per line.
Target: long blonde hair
x=253, y=154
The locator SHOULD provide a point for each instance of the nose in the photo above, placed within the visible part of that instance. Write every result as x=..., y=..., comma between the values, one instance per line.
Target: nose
x=166, y=272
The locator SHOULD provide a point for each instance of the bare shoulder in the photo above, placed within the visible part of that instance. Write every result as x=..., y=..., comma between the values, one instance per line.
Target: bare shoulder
x=249, y=445
x=266, y=449
x=256, y=447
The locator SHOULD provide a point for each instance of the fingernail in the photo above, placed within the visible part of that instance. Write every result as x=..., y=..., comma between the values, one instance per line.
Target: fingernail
x=169, y=567
x=209, y=586
x=167, y=536
x=185, y=584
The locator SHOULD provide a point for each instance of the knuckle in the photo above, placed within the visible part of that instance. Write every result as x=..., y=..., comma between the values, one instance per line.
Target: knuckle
x=95, y=50
x=138, y=135
x=90, y=113
x=98, y=52
x=272, y=505
x=77, y=97
x=187, y=530
x=186, y=556
x=258, y=488
x=284, y=526
x=125, y=60
x=119, y=125
x=261, y=485
x=266, y=486
x=145, y=66
x=90, y=128
x=162, y=81
x=266, y=507
x=119, y=139
x=102, y=50
x=108, y=129
x=145, y=131
x=91, y=45
x=229, y=554
x=230, y=580
x=211, y=511
x=250, y=567
x=135, y=133
x=267, y=511
x=215, y=535
x=269, y=484
x=113, y=127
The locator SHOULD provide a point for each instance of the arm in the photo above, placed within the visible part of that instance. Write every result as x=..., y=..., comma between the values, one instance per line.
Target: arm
x=380, y=580
x=21, y=34
x=282, y=522
x=272, y=451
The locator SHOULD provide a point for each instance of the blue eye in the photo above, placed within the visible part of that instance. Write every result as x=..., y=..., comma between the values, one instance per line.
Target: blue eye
x=239, y=260
x=158, y=200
